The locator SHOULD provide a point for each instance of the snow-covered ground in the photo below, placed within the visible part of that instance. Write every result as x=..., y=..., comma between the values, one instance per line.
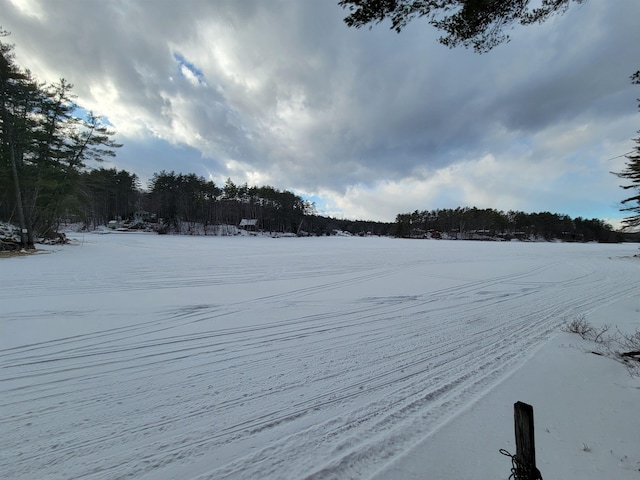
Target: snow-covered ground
x=162, y=357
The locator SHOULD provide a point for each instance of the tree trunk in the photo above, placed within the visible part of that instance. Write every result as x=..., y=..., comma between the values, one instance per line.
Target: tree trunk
x=26, y=240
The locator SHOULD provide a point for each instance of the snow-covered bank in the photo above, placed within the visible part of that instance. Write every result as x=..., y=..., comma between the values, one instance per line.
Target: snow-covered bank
x=586, y=415
x=190, y=357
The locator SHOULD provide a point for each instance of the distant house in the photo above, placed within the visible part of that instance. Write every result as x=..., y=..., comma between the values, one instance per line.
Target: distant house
x=249, y=224
x=141, y=216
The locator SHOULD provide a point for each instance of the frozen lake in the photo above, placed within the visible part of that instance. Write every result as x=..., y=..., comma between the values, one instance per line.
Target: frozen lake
x=145, y=356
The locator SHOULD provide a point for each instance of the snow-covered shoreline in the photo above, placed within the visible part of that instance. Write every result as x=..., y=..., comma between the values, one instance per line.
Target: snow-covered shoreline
x=193, y=357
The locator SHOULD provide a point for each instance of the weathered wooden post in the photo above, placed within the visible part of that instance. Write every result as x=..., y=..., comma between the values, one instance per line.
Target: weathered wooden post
x=525, y=457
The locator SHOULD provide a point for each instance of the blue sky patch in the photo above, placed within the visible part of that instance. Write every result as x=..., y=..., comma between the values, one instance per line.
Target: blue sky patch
x=189, y=71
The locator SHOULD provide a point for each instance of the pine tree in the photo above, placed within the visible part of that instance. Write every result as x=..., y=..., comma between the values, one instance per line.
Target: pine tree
x=632, y=173
x=44, y=146
x=18, y=100
x=472, y=23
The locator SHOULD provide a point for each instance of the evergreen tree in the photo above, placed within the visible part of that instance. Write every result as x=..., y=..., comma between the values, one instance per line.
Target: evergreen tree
x=44, y=146
x=19, y=97
x=632, y=173
x=108, y=194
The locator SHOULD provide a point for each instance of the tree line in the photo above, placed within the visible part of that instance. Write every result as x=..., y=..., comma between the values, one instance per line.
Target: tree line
x=178, y=202
x=190, y=199
x=484, y=224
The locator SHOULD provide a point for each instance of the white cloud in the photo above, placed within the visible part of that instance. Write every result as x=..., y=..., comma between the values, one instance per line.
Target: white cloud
x=189, y=75
x=30, y=8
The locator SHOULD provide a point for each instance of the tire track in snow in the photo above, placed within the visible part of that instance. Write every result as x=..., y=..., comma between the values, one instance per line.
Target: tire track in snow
x=479, y=368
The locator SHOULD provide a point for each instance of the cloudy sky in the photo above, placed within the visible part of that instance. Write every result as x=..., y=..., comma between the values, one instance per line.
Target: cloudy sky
x=367, y=123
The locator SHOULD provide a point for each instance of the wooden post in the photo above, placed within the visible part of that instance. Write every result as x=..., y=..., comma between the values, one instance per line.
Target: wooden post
x=525, y=457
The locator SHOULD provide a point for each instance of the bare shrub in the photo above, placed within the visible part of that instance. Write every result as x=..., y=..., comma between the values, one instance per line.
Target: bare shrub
x=579, y=326
x=599, y=334
x=630, y=341
x=623, y=347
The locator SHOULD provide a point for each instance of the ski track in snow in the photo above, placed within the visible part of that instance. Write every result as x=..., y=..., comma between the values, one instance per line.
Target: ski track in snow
x=209, y=358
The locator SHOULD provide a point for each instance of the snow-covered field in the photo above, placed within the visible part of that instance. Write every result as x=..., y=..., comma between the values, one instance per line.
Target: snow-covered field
x=162, y=357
